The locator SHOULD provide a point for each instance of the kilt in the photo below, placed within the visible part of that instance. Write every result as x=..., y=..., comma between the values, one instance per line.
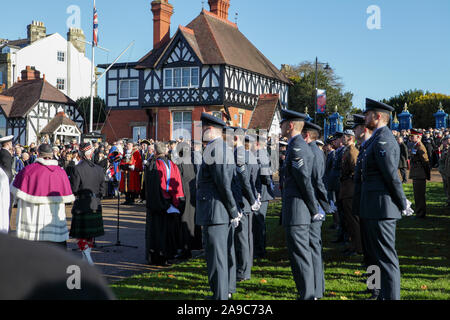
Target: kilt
x=87, y=220
x=87, y=225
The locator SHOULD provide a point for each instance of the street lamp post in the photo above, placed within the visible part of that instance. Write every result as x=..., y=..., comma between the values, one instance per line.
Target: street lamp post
x=327, y=67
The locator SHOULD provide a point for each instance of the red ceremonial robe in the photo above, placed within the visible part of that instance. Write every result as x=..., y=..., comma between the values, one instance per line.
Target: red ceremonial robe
x=132, y=177
x=175, y=189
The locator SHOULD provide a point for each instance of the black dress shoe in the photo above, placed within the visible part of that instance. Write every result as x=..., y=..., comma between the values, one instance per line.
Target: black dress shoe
x=375, y=295
x=350, y=253
x=338, y=240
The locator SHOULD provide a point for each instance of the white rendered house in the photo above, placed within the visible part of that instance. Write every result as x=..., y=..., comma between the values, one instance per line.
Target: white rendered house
x=62, y=61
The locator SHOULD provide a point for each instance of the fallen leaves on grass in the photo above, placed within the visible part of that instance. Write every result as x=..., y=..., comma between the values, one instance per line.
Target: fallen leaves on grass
x=344, y=298
x=423, y=287
x=171, y=276
x=358, y=273
x=263, y=281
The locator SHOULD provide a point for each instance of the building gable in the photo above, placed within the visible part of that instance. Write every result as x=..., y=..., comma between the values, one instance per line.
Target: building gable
x=180, y=51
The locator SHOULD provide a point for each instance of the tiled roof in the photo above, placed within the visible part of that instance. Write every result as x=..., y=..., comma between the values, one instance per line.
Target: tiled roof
x=56, y=122
x=20, y=43
x=27, y=94
x=219, y=41
x=264, y=112
x=6, y=104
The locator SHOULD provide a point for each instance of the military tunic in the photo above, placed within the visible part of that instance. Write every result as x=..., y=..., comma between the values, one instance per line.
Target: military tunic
x=315, y=240
x=419, y=173
x=264, y=187
x=216, y=207
x=381, y=203
x=243, y=242
x=347, y=189
x=298, y=208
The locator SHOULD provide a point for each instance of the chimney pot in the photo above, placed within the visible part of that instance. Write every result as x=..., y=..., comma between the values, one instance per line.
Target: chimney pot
x=30, y=73
x=162, y=12
x=219, y=8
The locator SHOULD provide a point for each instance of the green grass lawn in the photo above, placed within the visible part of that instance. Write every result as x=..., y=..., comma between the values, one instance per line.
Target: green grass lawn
x=422, y=246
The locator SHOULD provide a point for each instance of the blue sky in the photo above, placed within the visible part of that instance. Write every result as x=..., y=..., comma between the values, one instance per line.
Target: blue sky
x=411, y=50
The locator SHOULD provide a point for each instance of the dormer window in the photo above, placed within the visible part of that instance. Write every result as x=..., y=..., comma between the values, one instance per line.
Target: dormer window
x=181, y=78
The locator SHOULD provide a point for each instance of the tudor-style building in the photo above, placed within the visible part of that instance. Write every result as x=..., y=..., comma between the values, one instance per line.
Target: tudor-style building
x=30, y=104
x=206, y=66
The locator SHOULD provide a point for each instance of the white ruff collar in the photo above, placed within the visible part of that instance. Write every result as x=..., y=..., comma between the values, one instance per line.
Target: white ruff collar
x=47, y=162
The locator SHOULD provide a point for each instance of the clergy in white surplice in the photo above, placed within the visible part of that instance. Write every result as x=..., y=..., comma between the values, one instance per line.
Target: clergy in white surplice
x=41, y=190
x=4, y=202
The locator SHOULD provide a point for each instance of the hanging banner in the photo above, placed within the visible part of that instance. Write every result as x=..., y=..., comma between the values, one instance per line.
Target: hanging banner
x=321, y=101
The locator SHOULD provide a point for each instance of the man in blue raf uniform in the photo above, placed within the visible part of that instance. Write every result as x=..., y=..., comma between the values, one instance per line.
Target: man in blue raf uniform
x=241, y=187
x=334, y=183
x=362, y=135
x=311, y=133
x=299, y=202
x=382, y=197
x=216, y=208
x=265, y=191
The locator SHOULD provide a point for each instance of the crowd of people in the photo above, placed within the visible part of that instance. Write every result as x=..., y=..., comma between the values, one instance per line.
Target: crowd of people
x=220, y=206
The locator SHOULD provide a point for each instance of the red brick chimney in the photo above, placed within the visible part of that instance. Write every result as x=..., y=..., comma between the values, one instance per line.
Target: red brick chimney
x=219, y=8
x=162, y=12
x=30, y=73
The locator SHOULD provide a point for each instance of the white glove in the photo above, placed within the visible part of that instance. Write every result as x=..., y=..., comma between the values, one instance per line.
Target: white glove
x=256, y=206
x=132, y=167
x=145, y=162
x=319, y=217
x=235, y=222
x=409, y=211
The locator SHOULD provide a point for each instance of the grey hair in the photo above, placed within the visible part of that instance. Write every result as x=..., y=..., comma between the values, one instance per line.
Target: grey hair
x=160, y=148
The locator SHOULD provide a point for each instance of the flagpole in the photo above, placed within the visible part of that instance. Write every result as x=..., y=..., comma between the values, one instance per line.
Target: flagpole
x=91, y=120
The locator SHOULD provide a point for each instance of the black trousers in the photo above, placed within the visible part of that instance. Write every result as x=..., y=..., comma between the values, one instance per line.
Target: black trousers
x=420, y=187
x=403, y=175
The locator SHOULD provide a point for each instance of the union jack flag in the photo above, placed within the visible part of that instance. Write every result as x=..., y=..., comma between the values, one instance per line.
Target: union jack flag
x=95, y=27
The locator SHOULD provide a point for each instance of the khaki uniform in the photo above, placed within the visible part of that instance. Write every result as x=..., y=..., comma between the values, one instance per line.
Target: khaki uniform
x=443, y=170
x=446, y=172
x=419, y=173
x=347, y=189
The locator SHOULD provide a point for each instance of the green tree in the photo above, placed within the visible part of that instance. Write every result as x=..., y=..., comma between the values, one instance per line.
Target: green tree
x=422, y=105
x=100, y=112
x=302, y=91
x=425, y=106
x=409, y=97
